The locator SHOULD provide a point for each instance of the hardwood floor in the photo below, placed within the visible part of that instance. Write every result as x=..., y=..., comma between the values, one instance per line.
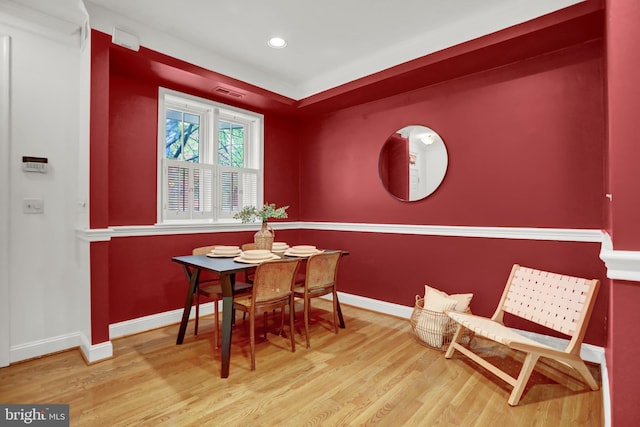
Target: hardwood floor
x=373, y=372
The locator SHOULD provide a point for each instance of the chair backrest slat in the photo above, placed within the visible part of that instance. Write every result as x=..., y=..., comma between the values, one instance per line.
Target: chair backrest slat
x=553, y=300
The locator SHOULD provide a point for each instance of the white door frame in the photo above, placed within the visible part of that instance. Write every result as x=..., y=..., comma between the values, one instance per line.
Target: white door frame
x=5, y=175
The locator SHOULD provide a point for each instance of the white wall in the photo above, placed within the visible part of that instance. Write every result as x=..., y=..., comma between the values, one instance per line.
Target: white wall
x=5, y=55
x=49, y=289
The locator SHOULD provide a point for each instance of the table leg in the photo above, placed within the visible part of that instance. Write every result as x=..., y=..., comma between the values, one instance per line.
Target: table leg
x=193, y=277
x=226, y=280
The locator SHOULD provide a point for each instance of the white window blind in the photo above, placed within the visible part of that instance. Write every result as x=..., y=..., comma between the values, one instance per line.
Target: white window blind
x=239, y=188
x=189, y=190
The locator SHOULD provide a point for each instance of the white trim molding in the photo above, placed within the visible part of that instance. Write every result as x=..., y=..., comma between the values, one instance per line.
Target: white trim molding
x=67, y=30
x=106, y=234
x=91, y=353
x=153, y=321
x=50, y=345
x=621, y=265
x=558, y=234
x=95, y=353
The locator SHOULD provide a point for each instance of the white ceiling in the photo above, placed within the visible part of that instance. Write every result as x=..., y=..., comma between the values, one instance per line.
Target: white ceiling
x=330, y=42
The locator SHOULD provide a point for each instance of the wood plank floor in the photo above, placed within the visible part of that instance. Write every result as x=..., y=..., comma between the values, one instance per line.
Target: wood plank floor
x=373, y=372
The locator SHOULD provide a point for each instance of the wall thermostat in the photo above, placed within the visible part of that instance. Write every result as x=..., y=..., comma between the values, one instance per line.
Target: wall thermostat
x=35, y=164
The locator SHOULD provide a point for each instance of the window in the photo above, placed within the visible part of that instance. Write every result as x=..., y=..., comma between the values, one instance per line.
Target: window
x=209, y=159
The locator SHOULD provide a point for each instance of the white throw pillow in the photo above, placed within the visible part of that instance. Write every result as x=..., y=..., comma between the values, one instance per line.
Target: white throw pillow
x=463, y=300
x=431, y=322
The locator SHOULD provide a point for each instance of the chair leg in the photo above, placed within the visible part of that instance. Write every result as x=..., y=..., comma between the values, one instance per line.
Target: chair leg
x=291, y=330
x=523, y=377
x=454, y=340
x=281, y=331
x=307, y=303
x=581, y=367
x=335, y=311
x=217, y=318
x=264, y=329
x=252, y=338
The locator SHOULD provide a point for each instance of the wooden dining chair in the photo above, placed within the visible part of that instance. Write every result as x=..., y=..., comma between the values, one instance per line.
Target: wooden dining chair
x=272, y=288
x=249, y=274
x=320, y=279
x=210, y=288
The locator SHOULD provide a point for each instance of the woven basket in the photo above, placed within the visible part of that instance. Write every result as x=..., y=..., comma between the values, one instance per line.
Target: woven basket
x=434, y=330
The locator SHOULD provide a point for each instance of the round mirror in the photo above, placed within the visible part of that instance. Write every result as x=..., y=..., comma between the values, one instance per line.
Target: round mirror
x=412, y=162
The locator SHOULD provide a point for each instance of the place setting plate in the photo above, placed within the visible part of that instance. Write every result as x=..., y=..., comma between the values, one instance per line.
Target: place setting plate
x=255, y=261
x=302, y=251
x=279, y=247
x=225, y=252
x=214, y=255
x=255, y=256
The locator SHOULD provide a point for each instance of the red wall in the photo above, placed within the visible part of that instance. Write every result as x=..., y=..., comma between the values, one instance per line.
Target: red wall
x=623, y=62
x=527, y=148
x=133, y=143
x=525, y=145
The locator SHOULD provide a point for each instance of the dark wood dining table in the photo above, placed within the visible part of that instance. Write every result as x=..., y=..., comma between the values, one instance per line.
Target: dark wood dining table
x=227, y=269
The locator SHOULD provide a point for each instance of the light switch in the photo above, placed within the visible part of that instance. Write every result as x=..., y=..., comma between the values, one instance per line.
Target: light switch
x=33, y=206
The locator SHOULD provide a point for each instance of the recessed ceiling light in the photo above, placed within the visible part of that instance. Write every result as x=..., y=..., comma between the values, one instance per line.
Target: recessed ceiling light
x=277, y=42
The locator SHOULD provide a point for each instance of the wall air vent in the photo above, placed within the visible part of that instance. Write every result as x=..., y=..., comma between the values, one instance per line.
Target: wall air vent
x=228, y=92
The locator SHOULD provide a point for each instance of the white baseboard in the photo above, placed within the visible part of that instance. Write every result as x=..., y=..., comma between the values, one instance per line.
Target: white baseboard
x=606, y=395
x=95, y=353
x=374, y=305
x=39, y=348
x=145, y=323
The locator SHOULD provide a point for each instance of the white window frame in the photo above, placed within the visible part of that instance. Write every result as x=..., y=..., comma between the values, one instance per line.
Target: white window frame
x=211, y=113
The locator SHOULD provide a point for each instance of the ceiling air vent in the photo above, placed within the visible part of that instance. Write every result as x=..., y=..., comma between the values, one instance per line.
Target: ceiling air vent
x=228, y=92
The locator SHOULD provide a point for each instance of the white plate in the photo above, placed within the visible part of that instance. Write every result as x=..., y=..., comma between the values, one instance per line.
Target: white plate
x=214, y=255
x=256, y=254
x=300, y=254
x=304, y=248
x=254, y=261
x=225, y=248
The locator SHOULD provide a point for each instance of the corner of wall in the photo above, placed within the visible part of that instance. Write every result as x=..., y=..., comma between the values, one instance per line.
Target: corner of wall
x=96, y=352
